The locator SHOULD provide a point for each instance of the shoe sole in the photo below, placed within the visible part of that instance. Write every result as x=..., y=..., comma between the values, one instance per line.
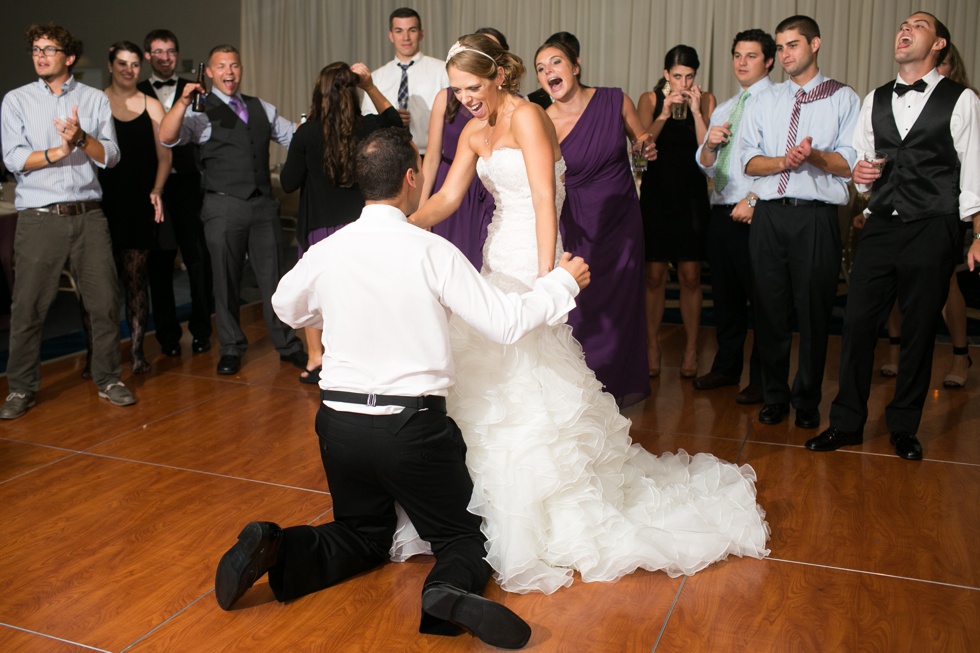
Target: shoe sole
x=837, y=445
x=238, y=568
x=29, y=405
x=128, y=402
x=484, y=619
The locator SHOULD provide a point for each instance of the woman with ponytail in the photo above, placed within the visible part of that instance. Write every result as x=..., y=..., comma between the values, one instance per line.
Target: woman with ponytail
x=320, y=163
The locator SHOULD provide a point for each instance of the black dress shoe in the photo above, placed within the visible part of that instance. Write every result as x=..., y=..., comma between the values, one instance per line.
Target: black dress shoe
x=171, y=349
x=750, y=394
x=483, y=618
x=807, y=418
x=255, y=553
x=296, y=359
x=832, y=439
x=773, y=413
x=907, y=445
x=200, y=345
x=229, y=364
x=713, y=380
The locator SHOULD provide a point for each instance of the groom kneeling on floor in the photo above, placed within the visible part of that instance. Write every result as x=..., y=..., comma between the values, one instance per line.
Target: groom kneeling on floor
x=385, y=288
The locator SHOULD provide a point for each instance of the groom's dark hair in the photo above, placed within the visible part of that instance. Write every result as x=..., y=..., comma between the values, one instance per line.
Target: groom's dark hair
x=381, y=161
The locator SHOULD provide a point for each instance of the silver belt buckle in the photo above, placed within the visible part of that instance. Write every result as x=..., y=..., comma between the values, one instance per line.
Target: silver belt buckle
x=372, y=400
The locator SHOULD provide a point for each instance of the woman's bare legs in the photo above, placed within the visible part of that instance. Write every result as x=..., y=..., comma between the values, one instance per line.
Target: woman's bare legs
x=656, y=289
x=689, y=275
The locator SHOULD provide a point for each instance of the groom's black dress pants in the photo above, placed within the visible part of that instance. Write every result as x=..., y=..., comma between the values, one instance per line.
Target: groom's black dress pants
x=370, y=464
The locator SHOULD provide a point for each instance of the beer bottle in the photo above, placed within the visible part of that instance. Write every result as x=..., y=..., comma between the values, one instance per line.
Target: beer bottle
x=199, y=97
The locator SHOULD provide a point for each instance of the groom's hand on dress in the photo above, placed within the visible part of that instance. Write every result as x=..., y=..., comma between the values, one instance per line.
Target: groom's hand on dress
x=577, y=267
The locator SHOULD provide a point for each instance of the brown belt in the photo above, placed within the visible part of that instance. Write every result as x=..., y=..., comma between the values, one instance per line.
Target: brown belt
x=68, y=208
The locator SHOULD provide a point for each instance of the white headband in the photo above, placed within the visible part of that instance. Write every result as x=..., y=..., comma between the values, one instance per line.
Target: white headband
x=457, y=48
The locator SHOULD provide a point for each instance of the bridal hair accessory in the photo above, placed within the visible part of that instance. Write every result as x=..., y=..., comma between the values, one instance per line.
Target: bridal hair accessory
x=457, y=48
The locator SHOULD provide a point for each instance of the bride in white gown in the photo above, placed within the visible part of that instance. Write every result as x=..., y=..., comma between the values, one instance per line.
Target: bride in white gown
x=557, y=480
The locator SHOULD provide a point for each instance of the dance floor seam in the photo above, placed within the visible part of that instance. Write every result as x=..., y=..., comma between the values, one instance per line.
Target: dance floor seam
x=52, y=637
x=873, y=573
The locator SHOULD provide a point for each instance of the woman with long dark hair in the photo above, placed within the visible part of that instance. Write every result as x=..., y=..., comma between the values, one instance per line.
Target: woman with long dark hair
x=674, y=199
x=320, y=163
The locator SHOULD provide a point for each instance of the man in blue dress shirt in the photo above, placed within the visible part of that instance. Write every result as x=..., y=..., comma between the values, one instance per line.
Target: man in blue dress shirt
x=797, y=143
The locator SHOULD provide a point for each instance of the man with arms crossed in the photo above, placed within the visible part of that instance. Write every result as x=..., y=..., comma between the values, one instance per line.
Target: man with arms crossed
x=753, y=54
x=411, y=81
x=928, y=128
x=797, y=143
x=385, y=290
x=56, y=134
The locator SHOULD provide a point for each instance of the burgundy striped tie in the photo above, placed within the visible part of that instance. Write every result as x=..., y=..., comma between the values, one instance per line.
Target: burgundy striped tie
x=824, y=90
x=794, y=122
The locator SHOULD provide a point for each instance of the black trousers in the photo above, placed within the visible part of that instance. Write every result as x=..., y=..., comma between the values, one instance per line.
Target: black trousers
x=731, y=290
x=182, y=199
x=796, y=258
x=370, y=464
x=912, y=261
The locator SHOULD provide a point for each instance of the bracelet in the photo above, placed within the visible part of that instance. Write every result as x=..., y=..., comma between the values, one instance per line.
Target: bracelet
x=710, y=150
x=50, y=162
x=157, y=190
x=976, y=236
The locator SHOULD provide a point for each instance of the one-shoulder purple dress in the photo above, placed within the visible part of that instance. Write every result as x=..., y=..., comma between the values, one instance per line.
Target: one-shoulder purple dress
x=467, y=227
x=601, y=222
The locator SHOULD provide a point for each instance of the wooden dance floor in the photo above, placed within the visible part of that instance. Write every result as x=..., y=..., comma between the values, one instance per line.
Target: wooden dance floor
x=114, y=519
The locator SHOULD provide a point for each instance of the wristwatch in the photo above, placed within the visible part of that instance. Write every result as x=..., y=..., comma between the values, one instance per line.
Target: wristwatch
x=80, y=143
x=752, y=200
x=976, y=236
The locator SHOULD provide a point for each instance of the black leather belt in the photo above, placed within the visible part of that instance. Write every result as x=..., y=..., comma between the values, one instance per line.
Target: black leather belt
x=255, y=193
x=68, y=208
x=431, y=402
x=792, y=201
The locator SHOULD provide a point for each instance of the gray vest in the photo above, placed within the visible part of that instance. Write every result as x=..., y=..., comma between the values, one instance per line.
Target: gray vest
x=236, y=156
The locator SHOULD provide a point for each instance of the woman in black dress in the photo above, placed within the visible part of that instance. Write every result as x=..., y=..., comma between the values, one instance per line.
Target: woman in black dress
x=320, y=163
x=131, y=191
x=674, y=199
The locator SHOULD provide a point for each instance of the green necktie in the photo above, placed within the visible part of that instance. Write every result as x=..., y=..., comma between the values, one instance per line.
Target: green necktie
x=725, y=155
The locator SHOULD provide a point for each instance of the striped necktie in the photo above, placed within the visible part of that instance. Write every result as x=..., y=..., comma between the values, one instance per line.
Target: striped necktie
x=824, y=90
x=725, y=156
x=403, y=85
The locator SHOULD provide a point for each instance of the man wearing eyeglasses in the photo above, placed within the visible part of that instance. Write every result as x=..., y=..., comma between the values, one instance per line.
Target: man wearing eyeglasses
x=182, y=201
x=56, y=134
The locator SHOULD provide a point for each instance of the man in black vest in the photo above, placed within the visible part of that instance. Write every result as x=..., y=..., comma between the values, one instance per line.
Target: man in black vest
x=240, y=214
x=918, y=140
x=182, y=201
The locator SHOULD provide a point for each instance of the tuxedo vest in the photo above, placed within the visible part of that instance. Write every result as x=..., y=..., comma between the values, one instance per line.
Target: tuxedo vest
x=922, y=176
x=236, y=156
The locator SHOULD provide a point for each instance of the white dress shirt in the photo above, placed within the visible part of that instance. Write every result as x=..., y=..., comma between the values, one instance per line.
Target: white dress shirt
x=196, y=127
x=739, y=183
x=964, y=127
x=382, y=290
x=829, y=121
x=426, y=79
x=166, y=94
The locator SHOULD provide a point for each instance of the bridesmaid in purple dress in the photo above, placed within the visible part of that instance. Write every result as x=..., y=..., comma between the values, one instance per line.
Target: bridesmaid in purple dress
x=467, y=227
x=601, y=220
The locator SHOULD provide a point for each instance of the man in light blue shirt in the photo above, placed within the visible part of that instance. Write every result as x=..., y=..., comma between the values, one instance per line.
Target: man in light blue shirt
x=797, y=144
x=56, y=134
x=753, y=55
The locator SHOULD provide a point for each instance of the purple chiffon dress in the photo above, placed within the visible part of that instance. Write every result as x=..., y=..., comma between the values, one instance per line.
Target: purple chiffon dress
x=467, y=227
x=601, y=222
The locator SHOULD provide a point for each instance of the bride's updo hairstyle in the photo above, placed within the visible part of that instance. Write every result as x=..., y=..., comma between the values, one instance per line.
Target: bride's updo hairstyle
x=480, y=55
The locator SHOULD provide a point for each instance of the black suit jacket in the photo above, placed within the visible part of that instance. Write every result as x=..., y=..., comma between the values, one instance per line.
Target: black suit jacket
x=186, y=160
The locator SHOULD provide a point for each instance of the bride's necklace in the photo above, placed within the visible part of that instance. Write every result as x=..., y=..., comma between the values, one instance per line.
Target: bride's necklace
x=486, y=140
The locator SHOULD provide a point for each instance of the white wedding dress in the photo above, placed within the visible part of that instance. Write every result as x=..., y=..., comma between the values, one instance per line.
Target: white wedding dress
x=557, y=480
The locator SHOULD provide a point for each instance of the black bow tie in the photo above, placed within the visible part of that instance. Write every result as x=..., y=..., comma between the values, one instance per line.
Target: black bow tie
x=918, y=87
x=169, y=82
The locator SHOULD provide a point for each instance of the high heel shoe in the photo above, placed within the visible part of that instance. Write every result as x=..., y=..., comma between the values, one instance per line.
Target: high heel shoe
x=690, y=372
x=956, y=380
x=890, y=369
x=655, y=371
